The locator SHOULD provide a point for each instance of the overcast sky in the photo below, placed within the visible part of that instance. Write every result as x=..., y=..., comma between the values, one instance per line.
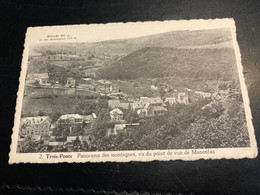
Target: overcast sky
x=112, y=31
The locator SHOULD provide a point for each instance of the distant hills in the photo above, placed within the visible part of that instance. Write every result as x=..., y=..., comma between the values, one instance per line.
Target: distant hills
x=156, y=62
x=199, y=38
x=205, y=54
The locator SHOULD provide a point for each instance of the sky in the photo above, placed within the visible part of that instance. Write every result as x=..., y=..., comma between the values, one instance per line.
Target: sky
x=113, y=31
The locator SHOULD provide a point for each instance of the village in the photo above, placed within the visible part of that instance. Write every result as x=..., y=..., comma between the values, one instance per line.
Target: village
x=78, y=128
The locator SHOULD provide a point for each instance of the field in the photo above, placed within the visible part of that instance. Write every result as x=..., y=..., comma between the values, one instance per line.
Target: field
x=61, y=104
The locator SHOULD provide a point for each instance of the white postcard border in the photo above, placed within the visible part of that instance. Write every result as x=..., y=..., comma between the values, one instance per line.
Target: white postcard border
x=33, y=33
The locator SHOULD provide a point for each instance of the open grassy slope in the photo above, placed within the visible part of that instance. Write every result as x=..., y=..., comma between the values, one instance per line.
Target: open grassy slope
x=156, y=62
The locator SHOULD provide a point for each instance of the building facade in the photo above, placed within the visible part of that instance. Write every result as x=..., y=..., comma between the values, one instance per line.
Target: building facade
x=71, y=82
x=35, y=126
x=71, y=121
x=116, y=115
x=149, y=107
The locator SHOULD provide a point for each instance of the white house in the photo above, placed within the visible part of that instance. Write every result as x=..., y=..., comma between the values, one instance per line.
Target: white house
x=183, y=98
x=117, y=128
x=203, y=94
x=116, y=114
x=35, y=126
x=149, y=107
x=170, y=100
x=71, y=82
x=71, y=121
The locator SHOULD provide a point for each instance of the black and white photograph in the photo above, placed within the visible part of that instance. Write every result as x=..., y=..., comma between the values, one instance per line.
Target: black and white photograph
x=170, y=87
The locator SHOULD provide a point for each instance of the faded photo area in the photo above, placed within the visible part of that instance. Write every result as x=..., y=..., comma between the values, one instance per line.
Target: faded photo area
x=172, y=90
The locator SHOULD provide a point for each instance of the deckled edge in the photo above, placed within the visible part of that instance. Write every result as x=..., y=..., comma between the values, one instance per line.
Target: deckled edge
x=245, y=95
x=45, y=189
x=251, y=131
x=19, y=94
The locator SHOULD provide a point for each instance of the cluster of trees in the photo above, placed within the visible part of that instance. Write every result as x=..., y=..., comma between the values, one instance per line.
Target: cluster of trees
x=182, y=127
x=55, y=52
x=99, y=107
x=157, y=62
x=58, y=73
x=219, y=124
x=86, y=107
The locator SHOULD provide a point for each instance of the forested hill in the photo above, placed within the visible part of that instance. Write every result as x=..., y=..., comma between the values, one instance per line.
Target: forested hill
x=213, y=38
x=155, y=62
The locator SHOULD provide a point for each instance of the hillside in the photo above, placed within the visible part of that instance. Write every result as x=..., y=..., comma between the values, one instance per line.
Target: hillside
x=156, y=62
x=104, y=51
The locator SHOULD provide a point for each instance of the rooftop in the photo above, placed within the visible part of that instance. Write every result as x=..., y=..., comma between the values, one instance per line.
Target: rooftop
x=157, y=108
x=119, y=127
x=117, y=104
x=67, y=116
x=151, y=100
x=116, y=110
x=35, y=120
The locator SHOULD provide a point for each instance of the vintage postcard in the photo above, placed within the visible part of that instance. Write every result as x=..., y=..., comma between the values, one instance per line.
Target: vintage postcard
x=141, y=91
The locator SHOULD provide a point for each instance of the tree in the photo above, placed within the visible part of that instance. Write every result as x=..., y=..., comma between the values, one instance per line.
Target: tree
x=162, y=92
x=131, y=116
x=41, y=113
x=86, y=107
x=76, y=142
x=29, y=146
x=55, y=115
x=36, y=83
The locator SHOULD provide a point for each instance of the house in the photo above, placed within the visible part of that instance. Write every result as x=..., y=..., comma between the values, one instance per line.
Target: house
x=151, y=110
x=182, y=98
x=158, y=110
x=104, y=82
x=42, y=78
x=55, y=143
x=71, y=82
x=89, y=87
x=188, y=89
x=71, y=139
x=88, y=120
x=141, y=113
x=153, y=87
x=155, y=101
x=113, y=88
x=216, y=96
x=37, y=76
x=87, y=79
x=132, y=124
x=149, y=107
x=36, y=137
x=117, y=128
x=116, y=115
x=202, y=94
x=137, y=105
x=118, y=104
x=52, y=138
x=57, y=85
x=152, y=100
x=85, y=139
x=110, y=132
x=35, y=126
x=44, y=81
x=94, y=115
x=45, y=142
x=71, y=121
x=170, y=100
